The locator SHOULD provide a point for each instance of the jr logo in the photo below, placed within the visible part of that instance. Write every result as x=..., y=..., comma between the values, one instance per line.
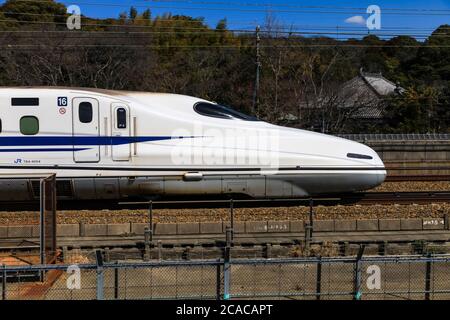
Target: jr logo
x=18, y=161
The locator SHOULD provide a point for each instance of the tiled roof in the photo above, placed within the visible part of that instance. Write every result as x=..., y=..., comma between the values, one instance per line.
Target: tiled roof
x=363, y=90
x=368, y=113
x=380, y=84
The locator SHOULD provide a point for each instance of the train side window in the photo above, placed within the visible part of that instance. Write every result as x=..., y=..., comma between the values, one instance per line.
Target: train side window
x=219, y=111
x=121, y=118
x=29, y=125
x=85, y=112
x=0, y=125
x=23, y=102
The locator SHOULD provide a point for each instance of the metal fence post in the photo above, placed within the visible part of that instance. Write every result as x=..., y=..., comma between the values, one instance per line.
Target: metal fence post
x=147, y=237
x=357, y=279
x=232, y=218
x=226, y=266
x=357, y=284
x=309, y=226
x=116, y=282
x=218, y=281
x=319, y=279
x=159, y=250
x=4, y=281
x=100, y=275
x=150, y=214
x=428, y=278
x=42, y=239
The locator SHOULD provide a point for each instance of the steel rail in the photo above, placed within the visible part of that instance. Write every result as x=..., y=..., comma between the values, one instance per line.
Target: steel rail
x=418, y=178
x=361, y=198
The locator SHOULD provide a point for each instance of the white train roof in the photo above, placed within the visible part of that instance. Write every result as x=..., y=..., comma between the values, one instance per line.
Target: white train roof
x=177, y=102
x=136, y=95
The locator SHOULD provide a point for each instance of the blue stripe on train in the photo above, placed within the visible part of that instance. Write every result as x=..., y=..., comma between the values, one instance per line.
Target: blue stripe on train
x=44, y=150
x=79, y=140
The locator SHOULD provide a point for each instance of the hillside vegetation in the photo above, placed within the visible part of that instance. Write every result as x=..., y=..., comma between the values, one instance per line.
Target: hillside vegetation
x=300, y=75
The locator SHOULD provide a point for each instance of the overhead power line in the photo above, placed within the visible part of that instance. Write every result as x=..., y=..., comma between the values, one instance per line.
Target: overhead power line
x=271, y=5
x=160, y=19
x=98, y=24
x=200, y=21
x=237, y=32
x=337, y=45
x=154, y=20
x=205, y=29
x=322, y=11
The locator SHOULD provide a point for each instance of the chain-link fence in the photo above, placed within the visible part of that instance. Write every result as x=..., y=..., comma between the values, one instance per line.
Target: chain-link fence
x=375, y=277
x=30, y=238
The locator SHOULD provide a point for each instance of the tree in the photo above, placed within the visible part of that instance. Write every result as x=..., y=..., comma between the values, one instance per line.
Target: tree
x=414, y=112
x=147, y=15
x=221, y=25
x=373, y=59
x=32, y=11
x=399, y=52
x=431, y=66
x=133, y=14
x=301, y=77
x=123, y=17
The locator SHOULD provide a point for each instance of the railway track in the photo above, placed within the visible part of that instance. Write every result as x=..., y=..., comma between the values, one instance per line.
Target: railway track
x=417, y=178
x=371, y=198
x=363, y=198
x=417, y=168
x=421, y=173
x=360, y=198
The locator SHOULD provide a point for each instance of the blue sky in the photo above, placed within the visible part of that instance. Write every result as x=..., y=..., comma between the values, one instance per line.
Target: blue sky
x=246, y=14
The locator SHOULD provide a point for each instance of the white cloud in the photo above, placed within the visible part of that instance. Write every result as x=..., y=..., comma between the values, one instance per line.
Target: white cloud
x=356, y=20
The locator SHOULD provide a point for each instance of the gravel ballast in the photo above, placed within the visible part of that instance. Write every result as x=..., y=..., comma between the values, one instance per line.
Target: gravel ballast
x=253, y=214
x=244, y=214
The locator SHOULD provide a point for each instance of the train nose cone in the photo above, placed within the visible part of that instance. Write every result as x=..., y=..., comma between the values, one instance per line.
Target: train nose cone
x=368, y=179
x=378, y=176
x=382, y=176
x=373, y=172
x=378, y=163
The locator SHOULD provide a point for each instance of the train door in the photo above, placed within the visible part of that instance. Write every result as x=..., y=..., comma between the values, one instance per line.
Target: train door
x=121, y=146
x=85, y=130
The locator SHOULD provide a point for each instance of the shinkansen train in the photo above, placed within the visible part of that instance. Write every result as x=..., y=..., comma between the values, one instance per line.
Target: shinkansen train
x=104, y=144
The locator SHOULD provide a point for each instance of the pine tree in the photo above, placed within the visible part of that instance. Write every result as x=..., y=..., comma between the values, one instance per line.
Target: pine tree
x=147, y=15
x=133, y=13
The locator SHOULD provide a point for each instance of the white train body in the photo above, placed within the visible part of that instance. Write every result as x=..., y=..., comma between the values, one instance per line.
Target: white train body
x=115, y=145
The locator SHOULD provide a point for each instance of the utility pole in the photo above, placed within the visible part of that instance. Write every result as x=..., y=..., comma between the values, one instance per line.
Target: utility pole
x=258, y=70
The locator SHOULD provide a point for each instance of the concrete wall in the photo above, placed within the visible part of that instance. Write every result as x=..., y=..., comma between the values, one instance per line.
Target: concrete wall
x=131, y=229
x=412, y=150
